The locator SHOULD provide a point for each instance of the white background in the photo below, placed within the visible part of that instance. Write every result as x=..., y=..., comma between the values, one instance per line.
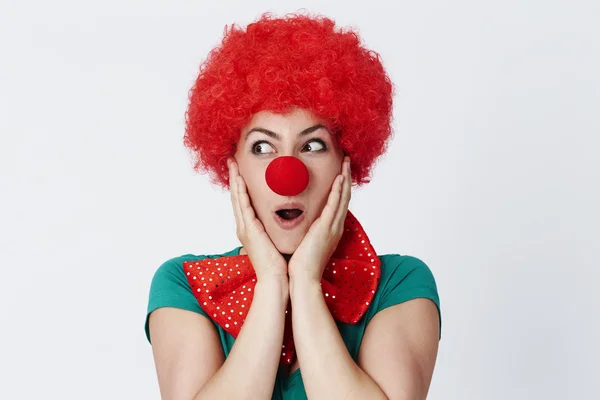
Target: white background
x=492, y=179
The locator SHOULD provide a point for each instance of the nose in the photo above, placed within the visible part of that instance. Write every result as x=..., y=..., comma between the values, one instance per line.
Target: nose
x=287, y=176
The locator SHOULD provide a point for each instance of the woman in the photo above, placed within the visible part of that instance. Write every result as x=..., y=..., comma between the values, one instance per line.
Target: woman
x=288, y=114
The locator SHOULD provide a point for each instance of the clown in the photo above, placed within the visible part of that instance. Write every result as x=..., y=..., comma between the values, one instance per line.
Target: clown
x=288, y=114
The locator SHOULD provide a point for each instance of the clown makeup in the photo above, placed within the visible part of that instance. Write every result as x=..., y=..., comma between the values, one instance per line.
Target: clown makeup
x=299, y=134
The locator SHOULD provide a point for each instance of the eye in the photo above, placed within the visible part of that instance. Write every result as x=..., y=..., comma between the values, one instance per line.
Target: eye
x=261, y=147
x=315, y=145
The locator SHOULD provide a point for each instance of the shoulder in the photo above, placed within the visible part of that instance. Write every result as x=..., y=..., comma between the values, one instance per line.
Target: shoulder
x=170, y=286
x=404, y=269
x=171, y=270
x=404, y=278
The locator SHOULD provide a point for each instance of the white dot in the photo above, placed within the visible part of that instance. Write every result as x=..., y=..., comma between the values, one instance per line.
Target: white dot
x=367, y=303
x=243, y=306
x=326, y=294
x=204, y=303
x=333, y=297
x=372, y=273
x=226, y=325
x=240, y=313
x=210, y=297
x=223, y=312
x=217, y=307
x=188, y=273
x=198, y=289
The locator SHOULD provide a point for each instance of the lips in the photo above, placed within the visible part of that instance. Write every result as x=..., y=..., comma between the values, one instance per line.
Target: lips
x=289, y=215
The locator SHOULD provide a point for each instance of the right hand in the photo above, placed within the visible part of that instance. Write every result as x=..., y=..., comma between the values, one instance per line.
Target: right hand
x=264, y=256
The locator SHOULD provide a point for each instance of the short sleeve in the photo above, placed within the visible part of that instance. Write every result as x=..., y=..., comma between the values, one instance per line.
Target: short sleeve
x=404, y=278
x=170, y=288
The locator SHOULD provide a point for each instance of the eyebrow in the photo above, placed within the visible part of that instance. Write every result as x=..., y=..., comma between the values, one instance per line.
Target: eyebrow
x=277, y=136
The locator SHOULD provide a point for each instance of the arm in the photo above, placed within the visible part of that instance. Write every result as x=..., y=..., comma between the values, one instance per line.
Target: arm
x=189, y=359
x=396, y=357
x=328, y=370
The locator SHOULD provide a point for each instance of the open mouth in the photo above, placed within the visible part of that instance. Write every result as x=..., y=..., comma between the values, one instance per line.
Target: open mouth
x=289, y=214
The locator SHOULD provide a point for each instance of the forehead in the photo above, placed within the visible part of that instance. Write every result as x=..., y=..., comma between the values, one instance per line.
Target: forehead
x=286, y=124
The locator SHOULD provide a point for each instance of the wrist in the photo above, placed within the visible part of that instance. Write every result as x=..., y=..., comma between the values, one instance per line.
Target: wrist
x=300, y=283
x=274, y=283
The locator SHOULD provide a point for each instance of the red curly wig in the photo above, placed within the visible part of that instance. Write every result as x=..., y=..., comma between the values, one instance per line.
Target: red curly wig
x=276, y=64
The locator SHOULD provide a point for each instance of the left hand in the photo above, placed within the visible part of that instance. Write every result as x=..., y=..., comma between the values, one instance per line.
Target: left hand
x=321, y=240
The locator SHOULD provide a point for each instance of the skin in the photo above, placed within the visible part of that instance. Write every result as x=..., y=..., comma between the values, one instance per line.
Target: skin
x=399, y=348
x=323, y=163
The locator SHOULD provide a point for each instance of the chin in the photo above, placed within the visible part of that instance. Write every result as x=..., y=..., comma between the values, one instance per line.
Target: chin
x=286, y=245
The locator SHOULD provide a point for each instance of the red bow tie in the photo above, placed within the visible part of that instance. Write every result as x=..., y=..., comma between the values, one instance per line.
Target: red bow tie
x=224, y=287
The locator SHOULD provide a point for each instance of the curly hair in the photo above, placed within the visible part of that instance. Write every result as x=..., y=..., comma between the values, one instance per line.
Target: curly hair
x=279, y=63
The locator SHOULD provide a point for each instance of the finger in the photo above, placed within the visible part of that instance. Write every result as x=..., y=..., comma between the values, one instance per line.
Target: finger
x=346, y=194
x=246, y=208
x=333, y=201
x=233, y=186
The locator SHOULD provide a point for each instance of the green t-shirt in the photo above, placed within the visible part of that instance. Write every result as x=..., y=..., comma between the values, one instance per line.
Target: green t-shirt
x=402, y=278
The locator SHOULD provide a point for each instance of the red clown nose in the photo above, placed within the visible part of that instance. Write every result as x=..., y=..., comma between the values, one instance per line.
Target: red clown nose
x=287, y=176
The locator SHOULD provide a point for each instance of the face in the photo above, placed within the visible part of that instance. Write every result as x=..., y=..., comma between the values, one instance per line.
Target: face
x=302, y=135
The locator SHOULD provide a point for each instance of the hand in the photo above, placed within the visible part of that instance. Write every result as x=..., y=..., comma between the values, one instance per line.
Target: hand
x=264, y=256
x=321, y=240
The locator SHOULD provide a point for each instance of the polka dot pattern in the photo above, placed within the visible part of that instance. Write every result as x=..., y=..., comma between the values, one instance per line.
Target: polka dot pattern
x=224, y=287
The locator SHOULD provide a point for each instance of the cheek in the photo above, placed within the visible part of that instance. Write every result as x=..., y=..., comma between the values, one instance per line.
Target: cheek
x=256, y=188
